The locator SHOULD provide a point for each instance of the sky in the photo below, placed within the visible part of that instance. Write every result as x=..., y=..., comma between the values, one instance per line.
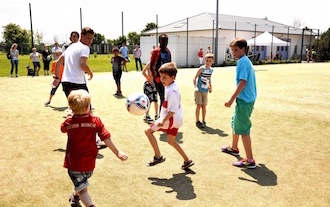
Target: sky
x=56, y=19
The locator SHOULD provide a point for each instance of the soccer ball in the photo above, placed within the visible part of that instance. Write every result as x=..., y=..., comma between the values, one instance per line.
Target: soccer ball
x=137, y=103
x=49, y=58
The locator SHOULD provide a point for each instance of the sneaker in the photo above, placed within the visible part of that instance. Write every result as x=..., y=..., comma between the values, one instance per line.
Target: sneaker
x=187, y=164
x=47, y=103
x=74, y=200
x=156, y=117
x=245, y=163
x=204, y=124
x=148, y=119
x=156, y=161
x=229, y=150
x=199, y=124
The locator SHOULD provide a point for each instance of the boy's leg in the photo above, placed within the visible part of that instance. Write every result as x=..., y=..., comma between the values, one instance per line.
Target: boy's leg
x=149, y=132
x=203, y=112
x=173, y=143
x=247, y=146
x=85, y=197
x=198, y=108
x=235, y=138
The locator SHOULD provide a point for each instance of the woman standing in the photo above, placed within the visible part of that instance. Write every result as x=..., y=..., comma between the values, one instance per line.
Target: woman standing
x=14, y=59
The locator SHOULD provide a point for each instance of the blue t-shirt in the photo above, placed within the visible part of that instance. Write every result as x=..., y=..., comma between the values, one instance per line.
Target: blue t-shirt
x=245, y=71
x=124, y=51
x=204, y=78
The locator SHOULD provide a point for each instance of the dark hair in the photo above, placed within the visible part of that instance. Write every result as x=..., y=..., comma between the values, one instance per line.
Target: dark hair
x=87, y=30
x=74, y=32
x=168, y=69
x=162, y=36
x=115, y=49
x=239, y=42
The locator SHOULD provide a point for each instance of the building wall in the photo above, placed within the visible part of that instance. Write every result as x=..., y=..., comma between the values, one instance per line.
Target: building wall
x=185, y=55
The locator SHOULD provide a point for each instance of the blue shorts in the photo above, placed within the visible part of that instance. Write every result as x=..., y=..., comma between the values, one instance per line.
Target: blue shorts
x=80, y=179
x=241, y=122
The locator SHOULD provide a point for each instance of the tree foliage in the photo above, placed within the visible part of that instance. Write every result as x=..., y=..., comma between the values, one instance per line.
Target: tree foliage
x=323, y=46
x=98, y=38
x=133, y=38
x=13, y=33
x=149, y=26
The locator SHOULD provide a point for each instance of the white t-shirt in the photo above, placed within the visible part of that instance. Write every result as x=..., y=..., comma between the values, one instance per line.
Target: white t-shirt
x=172, y=104
x=35, y=57
x=73, y=72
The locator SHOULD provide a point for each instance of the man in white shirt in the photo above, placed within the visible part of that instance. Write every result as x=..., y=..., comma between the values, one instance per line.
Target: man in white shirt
x=137, y=55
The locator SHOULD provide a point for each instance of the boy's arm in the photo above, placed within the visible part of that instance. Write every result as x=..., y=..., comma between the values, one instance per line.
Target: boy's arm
x=196, y=76
x=121, y=155
x=238, y=90
x=167, y=117
x=210, y=86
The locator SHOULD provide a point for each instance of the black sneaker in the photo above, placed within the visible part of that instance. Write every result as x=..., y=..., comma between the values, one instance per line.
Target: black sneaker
x=187, y=164
x=156, y=161
x=199, y=124
x=148, y=119
x=74, y=200
x=47, y=103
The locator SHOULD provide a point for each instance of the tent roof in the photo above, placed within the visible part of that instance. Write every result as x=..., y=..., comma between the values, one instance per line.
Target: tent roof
x=266, y=39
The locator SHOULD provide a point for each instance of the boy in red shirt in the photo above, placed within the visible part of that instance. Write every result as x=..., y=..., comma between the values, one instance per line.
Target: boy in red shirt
x=82, y=150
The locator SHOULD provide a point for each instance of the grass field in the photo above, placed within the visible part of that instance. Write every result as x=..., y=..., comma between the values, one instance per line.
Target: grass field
x=100, y=63
x=290, y=133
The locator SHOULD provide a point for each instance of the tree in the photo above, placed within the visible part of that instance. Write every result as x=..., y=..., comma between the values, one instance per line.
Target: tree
x=324, y=46
x=13, y=33
x=133, y=38
x=119, y=41
x=98, y=39
x=149, y=26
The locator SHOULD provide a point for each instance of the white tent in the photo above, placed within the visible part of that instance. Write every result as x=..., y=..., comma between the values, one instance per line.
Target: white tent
x=266, y=39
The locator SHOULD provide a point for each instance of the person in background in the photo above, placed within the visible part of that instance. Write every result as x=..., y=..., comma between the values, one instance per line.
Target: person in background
x=35, y=57
x=209, y=50
x=117, y=63
x=159, y=56
x=46, y=58
x=124, y=52
x=137, y=56
x=56, y=47
x=74, y=37
x=200, y=56
x=14, y=52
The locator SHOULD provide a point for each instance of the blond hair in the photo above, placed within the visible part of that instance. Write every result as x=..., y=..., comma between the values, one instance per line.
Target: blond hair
x=79, y=100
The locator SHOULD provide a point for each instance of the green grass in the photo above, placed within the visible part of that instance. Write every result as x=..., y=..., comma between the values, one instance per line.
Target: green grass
x=98, y=63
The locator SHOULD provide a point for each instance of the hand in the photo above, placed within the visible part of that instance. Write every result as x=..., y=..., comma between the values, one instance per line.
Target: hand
x=229, y=103
x=90, y=75
x=210, y=90
x=122, y=156
x=160, y=124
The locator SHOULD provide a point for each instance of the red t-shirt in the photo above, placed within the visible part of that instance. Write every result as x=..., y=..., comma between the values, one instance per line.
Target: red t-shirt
x=81, y=150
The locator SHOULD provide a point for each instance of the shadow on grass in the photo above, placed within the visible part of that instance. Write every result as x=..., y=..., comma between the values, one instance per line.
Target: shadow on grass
x=180, y=183
x=62, y=108
x=178, y=139
x=210, y=130
x=99, y=156
x=261, y=175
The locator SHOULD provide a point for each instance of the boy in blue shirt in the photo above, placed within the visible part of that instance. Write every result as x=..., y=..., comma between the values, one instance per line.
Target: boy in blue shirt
x=202, y=88
x=245, y=96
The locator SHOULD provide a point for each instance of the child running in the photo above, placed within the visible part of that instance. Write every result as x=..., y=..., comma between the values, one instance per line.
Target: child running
x=80, y=155
x=170, y=117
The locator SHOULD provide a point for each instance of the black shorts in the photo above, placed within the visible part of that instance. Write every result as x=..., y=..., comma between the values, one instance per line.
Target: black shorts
x=68, y=87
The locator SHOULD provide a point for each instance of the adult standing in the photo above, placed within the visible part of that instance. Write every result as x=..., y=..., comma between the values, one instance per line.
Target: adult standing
x=35, y=57
x=14, y=52
x=137, y=56
x=124, y=52
x=74, y=37
x=159, y=56
x=45, y=59
x=54, y=49
x=209, y=50
x=75, y=63
x=200, y=56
